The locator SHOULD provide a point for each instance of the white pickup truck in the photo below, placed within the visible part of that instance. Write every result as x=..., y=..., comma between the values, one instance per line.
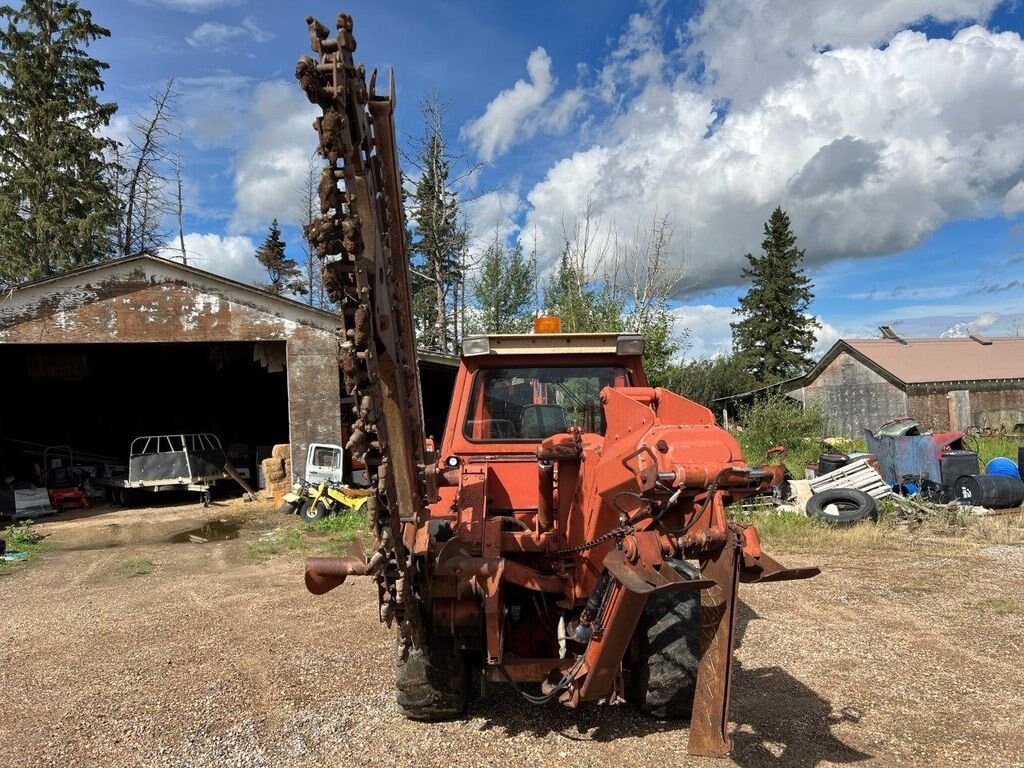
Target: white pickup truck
x=325, y=462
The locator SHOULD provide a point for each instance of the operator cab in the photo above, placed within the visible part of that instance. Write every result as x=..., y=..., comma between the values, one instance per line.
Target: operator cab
x=531, y=402
x=516, y=390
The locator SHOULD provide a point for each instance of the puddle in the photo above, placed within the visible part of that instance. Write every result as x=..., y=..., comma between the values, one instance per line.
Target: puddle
x=215, y=530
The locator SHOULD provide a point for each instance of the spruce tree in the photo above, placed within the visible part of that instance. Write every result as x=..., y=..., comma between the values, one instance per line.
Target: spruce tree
x=775, y=335
x=437, y=253
x=284, y=273
x=57, y=203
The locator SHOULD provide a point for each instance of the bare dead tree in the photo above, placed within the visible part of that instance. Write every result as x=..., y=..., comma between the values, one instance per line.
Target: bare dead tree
x=145, y=200
x=309, y=211
x=652, y=268
x=180, y=203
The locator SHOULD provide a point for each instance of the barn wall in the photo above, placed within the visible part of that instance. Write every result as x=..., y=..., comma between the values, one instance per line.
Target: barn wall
x=853, y=397
x=135, y=307
x=150, y=301
x=998, y=406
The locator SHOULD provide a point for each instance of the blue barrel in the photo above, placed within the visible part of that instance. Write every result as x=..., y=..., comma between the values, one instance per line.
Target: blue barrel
x=1002, y=466
x=992, y=491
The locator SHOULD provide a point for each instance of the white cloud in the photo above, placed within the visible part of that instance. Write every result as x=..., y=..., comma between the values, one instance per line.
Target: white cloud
x=825, y=337
x=871, y=150
x=516, y=114
x=213, y=34
x=748, y=46
x=1013, y=203
x=707, y=328
x=274, y=157
x=492, y=216
x=232, y=257
x=638, y=57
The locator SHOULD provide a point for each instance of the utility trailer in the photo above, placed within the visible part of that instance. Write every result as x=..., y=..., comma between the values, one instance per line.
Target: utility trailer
x=156, y=463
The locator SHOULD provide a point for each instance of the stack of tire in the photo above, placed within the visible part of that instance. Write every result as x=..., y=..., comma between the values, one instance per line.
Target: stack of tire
x=277, y=470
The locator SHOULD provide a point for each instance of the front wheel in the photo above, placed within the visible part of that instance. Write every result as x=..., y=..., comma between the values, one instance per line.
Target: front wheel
x=662, y=681
x=432, y=682
x=318, y=510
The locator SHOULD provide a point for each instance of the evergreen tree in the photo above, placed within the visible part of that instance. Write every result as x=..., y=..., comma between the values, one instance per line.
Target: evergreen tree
x=504, y=291
x=438, y=274
x=775, y=334
x=57, y=204
x=284, y=273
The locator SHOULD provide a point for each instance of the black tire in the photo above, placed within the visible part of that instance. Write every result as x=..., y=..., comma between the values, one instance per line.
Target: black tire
x=432, y=682
x=851, y=505
x=310, y=513
x=662, y=681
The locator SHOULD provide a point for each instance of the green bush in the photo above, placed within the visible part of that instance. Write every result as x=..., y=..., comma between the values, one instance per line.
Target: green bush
x=776, y=419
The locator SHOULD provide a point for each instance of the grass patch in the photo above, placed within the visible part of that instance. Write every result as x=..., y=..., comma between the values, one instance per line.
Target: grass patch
x=1003, y=606
x=351, y=524
x=22, y=537
x=134, y=567
x=334, y=534
x=276, y=542
x=993, y=446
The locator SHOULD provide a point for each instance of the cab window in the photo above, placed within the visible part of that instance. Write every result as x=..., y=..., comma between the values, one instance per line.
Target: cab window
x=530, y=404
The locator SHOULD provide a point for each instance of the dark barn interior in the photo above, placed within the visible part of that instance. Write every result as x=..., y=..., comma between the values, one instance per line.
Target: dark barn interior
x=97, y=398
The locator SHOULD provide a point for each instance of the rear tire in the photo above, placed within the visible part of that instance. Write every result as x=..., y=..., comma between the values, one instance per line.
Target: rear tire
x=432, y=683
x=662, y=682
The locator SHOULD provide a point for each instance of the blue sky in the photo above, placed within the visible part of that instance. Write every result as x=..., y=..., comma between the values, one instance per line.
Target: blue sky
x=893, y=133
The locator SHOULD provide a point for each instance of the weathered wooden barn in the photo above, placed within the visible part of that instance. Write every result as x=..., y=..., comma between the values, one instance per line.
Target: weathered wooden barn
x=945, y=384
x=143, y=345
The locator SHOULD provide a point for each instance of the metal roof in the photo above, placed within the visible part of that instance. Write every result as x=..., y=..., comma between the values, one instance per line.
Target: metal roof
x=930, y=361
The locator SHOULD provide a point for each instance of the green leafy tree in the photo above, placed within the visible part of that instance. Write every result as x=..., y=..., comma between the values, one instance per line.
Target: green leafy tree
x=706, y=380
x=503, y=290
x=584, y=304
x=285, y=275
x=775, y=334
x=57, y=203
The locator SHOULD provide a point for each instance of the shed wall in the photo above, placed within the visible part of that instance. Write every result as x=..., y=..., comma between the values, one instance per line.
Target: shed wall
x=998, y=407
x=853, y=397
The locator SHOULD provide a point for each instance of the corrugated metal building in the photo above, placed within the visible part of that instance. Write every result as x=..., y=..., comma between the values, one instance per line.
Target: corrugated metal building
x=144, y=345
x=945, y=384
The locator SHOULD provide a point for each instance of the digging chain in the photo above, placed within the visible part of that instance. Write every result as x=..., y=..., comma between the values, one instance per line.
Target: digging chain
x=360, y=240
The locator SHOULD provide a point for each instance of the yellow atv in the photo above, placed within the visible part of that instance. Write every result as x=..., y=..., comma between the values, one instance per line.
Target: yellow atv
x=315, y=502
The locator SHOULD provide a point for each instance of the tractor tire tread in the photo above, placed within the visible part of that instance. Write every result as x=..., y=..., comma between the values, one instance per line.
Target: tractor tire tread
x=663, y=681
x=432, y=684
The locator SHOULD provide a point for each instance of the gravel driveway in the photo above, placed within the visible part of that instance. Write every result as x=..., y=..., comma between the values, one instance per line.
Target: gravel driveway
x=216, y=659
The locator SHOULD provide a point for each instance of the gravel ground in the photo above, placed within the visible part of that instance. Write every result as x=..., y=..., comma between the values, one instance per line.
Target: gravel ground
x=214, y=659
